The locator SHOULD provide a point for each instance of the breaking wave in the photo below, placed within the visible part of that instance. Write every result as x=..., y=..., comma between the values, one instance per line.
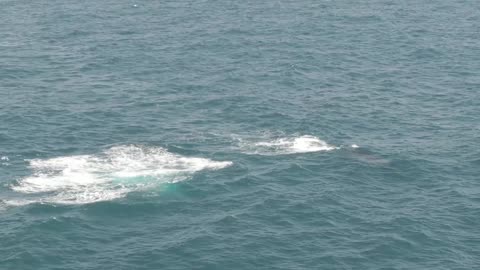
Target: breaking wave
x=108, y=175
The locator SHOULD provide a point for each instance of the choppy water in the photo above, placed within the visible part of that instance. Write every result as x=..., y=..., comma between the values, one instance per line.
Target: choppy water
x=239, y=134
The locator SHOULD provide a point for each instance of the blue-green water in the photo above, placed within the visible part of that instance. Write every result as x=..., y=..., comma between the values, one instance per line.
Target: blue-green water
x=239, y=134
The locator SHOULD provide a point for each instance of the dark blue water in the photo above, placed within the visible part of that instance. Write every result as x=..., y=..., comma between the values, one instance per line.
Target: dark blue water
x=239, y=134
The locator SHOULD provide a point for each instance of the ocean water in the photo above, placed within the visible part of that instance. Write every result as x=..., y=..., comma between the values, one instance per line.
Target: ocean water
x=239, y=134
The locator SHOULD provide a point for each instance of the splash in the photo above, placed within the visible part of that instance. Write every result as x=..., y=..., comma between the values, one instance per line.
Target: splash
x=109, y=175
x=289, y=145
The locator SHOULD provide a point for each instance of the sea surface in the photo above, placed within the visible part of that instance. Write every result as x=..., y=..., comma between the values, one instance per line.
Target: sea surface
x=208, y=134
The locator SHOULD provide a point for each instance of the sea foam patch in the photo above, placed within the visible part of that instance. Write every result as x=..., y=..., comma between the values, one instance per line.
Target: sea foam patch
x=108, y=175
x=4, y=160
x=287, y=145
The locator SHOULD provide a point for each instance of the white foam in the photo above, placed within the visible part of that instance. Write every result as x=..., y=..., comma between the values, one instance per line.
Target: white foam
x=108, y=175
x=288, y=145
x=355, y=146
x=4, y=161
